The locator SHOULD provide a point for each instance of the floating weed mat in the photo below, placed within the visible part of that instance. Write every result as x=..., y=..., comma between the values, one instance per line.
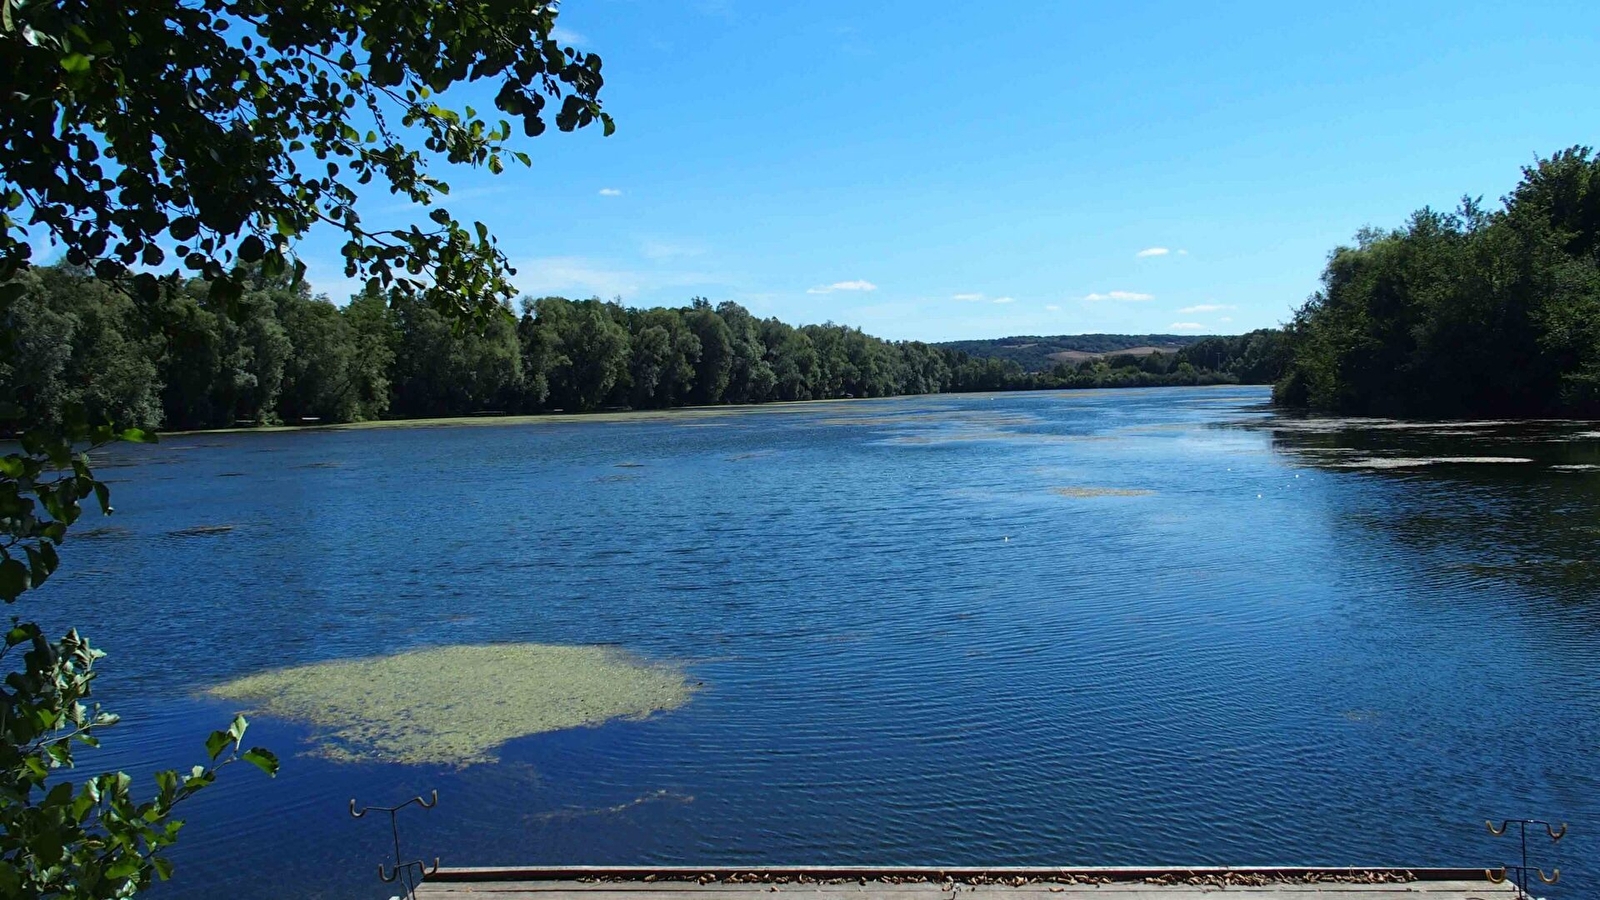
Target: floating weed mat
x=1412, y=462
x=201, y=530
x=1101, y=492
x=572, y=813
x=456, y=705
x=104, y=532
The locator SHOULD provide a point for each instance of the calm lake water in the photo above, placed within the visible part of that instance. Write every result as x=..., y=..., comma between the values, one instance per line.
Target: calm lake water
x=1311, y=641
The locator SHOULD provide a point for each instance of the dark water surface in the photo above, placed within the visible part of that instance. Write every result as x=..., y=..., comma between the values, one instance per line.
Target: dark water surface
x=914, y=650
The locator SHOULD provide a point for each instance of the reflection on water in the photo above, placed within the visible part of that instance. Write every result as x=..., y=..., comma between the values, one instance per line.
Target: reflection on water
x=1532, y=519
x=1156, y=626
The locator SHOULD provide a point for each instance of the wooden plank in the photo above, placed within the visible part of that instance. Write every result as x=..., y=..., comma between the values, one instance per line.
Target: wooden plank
x=1131, y=890
x=674, y=888
x=667, y=874
x=682, y=891
x=1437, y=891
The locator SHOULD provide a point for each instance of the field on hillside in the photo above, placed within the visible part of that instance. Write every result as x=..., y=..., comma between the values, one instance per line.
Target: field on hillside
x=1036, y=353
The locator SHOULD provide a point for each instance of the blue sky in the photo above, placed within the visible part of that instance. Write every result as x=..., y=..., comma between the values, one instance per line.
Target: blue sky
x=944, y=171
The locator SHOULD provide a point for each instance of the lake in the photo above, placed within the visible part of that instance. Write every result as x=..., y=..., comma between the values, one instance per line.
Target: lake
x=1155, y=626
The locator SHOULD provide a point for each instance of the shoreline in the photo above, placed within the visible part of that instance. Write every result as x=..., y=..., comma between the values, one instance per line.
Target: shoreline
x=631, y=415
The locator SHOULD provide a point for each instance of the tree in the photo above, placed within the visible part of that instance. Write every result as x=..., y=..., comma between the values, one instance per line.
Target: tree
x=318, y=381
x=714, y=365
x=1463, y=313
x=215, y=131
x=223, y=129
x=595, y=357
x=441, y=370
x=373, y=333
x=750, y=378
x=75, y=341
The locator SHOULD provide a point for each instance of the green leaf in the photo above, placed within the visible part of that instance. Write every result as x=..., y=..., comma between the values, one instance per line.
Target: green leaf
x=265, y=760
x=75, y=63
x=251, y=249
x=13, y=579
x=218, y=742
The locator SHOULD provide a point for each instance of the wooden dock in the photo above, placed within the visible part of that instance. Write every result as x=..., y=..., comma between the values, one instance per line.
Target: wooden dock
x=884, y=883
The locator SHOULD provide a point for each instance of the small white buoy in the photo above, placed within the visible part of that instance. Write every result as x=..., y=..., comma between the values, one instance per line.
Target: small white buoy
x=1008, y=537
x=1258, y=496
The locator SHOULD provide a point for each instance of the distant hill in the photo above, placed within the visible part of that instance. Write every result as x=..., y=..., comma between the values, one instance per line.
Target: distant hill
x=1037, y=354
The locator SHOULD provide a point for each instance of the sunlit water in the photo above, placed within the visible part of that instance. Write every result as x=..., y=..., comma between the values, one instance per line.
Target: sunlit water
x=914, y=649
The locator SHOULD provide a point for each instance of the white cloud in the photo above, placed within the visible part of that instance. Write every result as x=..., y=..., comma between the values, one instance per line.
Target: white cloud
x=1004, y=300
x=1186, y=326
x=1226, y=319
x=1153, y=251
x=843, y=286
x=571, y=275
x=328, y=278
x=1183, y=253
x=970, y=298
x=1206, y=307
x=568, y=36
x=654, y=249
x=610, y=192
x=1124, y=296
x=578, y=277
x=1053, y=308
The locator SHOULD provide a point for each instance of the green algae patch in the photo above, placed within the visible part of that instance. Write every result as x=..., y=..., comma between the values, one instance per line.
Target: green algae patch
x=456, y=705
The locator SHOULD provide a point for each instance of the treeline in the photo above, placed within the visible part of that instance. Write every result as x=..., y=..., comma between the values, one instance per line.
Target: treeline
x=1257, y=357
x=1040, y=353
x=279, y=355
x=1475, y=312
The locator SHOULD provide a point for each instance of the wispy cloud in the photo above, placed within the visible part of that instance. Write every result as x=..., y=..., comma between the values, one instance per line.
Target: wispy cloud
x=843, y=286
x=576, y=276
x=1226, y=319
x=1186, y=326
x=657, y=249
x=568, y=36
x=1206, y=307
x=610, y=192
x=1153, y=251
x=328, y=278
x=1004, y=300
x=969, y=298
x=1123, y=296
x=720, y=8
x=1052, y=307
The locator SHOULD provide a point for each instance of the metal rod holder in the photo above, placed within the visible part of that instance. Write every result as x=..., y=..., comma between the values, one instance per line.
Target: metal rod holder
x=1524, y=869
x=409, y=873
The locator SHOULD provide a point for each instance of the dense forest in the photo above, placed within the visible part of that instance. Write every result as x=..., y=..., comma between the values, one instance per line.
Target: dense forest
x=277, y=354
x=1474, y=312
